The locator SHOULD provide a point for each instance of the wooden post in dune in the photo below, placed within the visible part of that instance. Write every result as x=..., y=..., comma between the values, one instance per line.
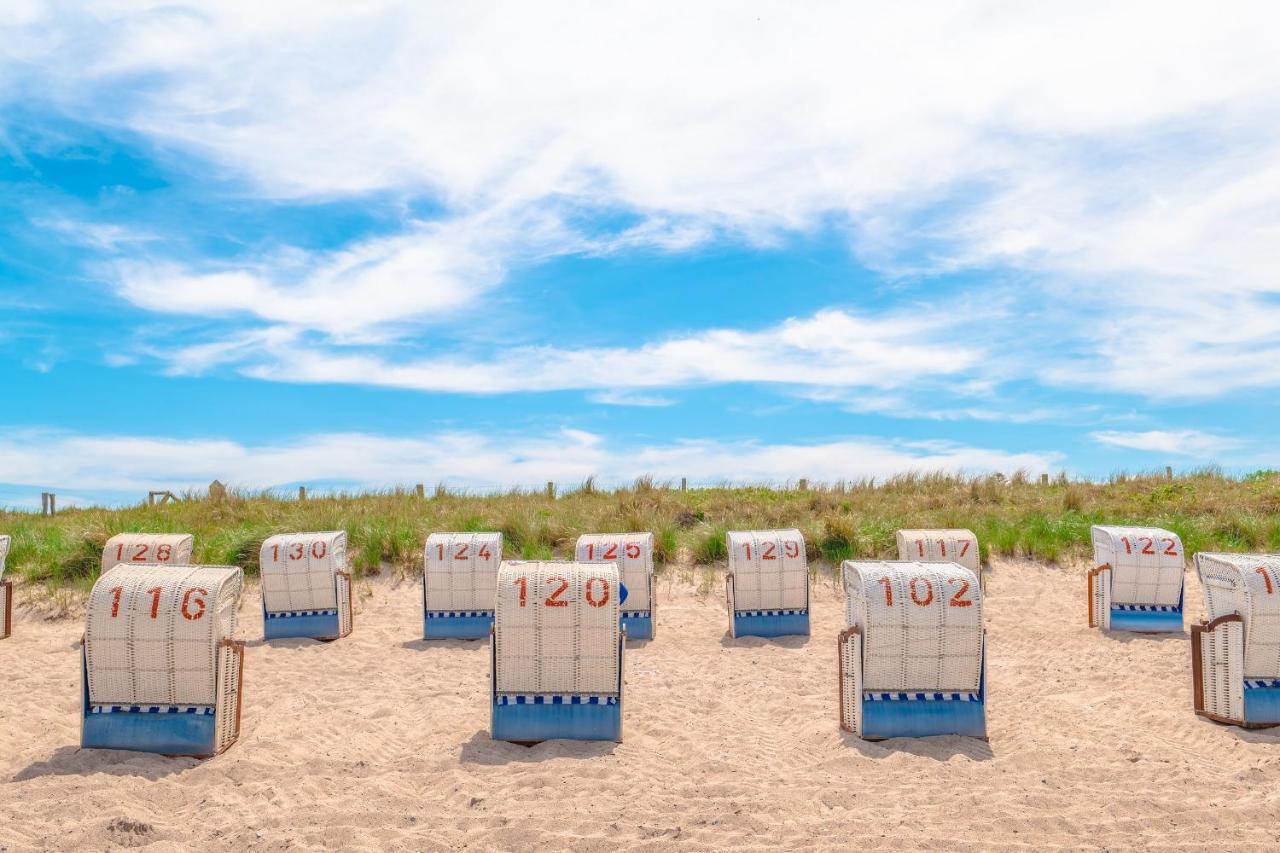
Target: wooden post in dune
x=420, y=490
x=302, y=493
x=48, y=503
x=551, y=490
x=804, y=484
x=1044, y=479
x=1168, y=472
x=684, y=484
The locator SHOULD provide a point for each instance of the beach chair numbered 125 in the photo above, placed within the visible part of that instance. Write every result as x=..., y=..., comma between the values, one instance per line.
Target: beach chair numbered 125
x=6, y=592
x=306, y=589
x=147, y=549
x=556, y=653
x=459, y=575
x=767, y=587
x=633, y=552
x=1137, y=580
x=1235, y=652
x=162, y=672
x=912, y=661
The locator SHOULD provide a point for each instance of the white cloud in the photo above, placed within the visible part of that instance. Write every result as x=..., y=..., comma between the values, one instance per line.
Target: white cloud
x=615, y=397
x=1183, y=442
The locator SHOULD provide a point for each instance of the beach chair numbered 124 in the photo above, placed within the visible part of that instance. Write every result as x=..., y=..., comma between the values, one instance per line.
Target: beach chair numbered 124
x=1137, y=580
x=556, y=653
x=459, y=574
x=147, y=549
x=767, y=587
x=912, y=661
x=6, y=592
x=306, y=589
x=633, y=552
x=162, y=672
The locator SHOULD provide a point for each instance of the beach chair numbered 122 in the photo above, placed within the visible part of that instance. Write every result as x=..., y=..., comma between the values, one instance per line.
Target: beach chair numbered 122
x=767, y=587
x=459, y=574
x=1137, y=580
x=633, y=552
x=306, y=589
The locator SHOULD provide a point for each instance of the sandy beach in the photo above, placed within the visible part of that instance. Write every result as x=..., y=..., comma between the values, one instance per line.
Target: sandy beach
x=380, y=741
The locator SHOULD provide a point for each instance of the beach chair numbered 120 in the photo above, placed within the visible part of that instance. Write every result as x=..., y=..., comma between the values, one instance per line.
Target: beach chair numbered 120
x=633, y=552
x=941, y=546
x=556, y=653
x=306, y=589
x=1235, y=652
x=1137, y=580
x=459, y=574
x=6, y=592
x=162, y=672
x=147, y=549
x=767, y=587
x=912, y=661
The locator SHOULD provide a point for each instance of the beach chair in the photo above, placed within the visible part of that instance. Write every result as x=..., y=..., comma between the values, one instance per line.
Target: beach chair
x=912, y=661
x=1136, y=582
x=6, y=593
x=1235, y=652
x=942, y=546
x=556, y=653
x=459, y=574
x=306, y=589
x=767, y=587
x=147, y=549
x=633, y=552
x=161, y=670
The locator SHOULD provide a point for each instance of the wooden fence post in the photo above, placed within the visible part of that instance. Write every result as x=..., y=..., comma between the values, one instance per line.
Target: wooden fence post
x=684, y=484
x=1168, y=472
x=551, y=490
x=1044, y=479
x=421, y=490
x=302, y=493
x=804, y=484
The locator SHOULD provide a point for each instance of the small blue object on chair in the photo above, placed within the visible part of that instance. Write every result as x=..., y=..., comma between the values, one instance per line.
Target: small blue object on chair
x=770, y=623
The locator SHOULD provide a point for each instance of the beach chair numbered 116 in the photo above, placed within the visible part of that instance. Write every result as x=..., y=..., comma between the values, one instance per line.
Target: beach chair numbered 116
x=147, y=549
x=162, y=672
x=6, y=592
x=633, y=552
x=459, y=574
x=767, y=587
x=912, y=661
x=1137, y=580
x=556, y=653
x=1235, y=652
x=306, y=589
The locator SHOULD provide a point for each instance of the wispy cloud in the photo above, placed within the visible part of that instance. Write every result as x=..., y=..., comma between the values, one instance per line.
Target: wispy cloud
x=1183, y=442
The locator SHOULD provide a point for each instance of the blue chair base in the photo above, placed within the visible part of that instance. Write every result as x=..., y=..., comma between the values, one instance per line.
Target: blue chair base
x=321, y=626
x=169, y=733
x=1147, y=621
x=780, y=625
x=638, y=626
x=438, y=626
x=532, y=723
x=1262, y=705
x=886, y=718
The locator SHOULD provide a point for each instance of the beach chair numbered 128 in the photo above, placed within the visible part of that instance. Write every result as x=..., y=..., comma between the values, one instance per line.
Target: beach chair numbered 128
x=767, y=587
x=306, y=589
x=633, y=552
x=1137, y=580
x=162, y=672
x=147, y=549
x=459, y=574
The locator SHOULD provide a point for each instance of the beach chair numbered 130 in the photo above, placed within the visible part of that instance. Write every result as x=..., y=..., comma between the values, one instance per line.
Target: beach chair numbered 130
x=767, y=587
x=306, y=589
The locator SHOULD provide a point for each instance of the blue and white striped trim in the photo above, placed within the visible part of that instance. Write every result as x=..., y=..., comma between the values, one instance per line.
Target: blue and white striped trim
x=285, y=614
x=200, y=710
x=1147, y=608
x=770, y=612
x=1261, y=683
x=457, y=614
x=635, y=614
x=554, y=699
x=920, y=697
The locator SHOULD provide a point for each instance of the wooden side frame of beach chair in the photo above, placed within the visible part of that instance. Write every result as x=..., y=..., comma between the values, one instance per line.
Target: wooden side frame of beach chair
x=1225, y=665
x=1099, y=595
x=6, y=609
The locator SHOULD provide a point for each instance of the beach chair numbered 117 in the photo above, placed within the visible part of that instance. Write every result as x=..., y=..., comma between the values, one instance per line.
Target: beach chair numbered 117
x=147, y=549
x=459, y=574
x=767, y=587
x=162, y=672
x=6, y=592
x=306, y=589
x=1137, y=580
x=942, y=546
x=556, y=653
x=633, y=552
x=912, y=661
x=1235, y=652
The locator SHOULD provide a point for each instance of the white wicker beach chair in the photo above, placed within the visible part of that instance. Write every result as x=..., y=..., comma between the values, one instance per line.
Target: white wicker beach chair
x=767, y=587
x=1137, y=580
x=162, y=672
x=147, y=549
x=556, y=669
x=912, y=660
x=1235, y=652
x=459, y=575
x=306, y=588
x=941, y=546
x=633, y=552
x=6, y=592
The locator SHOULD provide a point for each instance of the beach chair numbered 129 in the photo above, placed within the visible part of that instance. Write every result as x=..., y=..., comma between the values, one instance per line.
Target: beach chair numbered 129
x=459, y=574
x=147, y=549
x=556, y=653
x=162, y=672
x=1137, y=580
x=767, y=587
x=6, y=592
x=912, y=661
x=1235, y=652
x=306, y=589
x=633, y=552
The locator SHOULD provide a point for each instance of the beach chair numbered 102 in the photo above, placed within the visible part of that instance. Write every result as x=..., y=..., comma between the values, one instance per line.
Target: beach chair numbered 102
x=556, y=653
x=6, y=592
x=306, y=589
x=1235, y=652
x=942, y=546
x=1137, y=580
x=767, y=587
x=633, y=552
x=162, y=672
x=147, y=549
x=912, y=661
x=459, y=575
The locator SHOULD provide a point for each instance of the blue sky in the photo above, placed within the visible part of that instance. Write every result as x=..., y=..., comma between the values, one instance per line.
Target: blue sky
x=492, y=246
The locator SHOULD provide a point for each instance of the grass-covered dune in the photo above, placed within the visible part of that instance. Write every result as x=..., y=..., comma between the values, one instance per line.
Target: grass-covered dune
x=1013, y=516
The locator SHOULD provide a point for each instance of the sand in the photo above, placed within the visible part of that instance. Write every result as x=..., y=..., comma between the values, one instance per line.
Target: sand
x=380, y=741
